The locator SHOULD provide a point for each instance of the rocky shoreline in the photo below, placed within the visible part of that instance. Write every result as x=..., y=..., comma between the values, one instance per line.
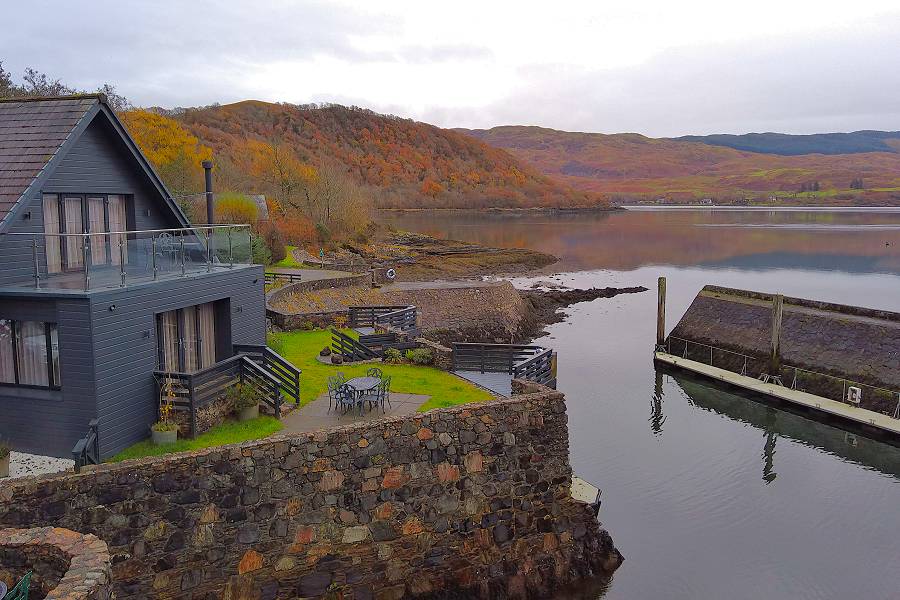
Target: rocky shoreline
x=544, y=306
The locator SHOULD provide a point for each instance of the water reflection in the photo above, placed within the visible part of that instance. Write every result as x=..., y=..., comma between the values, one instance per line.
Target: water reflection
x=657, y=417
x=864, y=242
x=776, y=423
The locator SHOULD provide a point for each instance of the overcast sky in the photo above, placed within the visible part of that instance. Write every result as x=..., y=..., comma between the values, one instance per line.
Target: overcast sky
x=658, y=67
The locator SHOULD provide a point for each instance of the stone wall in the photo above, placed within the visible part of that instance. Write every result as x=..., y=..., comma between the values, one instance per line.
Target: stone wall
x=467, y=502
x=65, y=565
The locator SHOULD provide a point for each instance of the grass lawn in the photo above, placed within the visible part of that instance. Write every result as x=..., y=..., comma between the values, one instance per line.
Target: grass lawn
x=302, y=347
x=289, y=261
x=230, y=432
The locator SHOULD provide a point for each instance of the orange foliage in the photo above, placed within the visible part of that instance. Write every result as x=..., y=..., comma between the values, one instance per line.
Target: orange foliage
x=296, y=230
x=406, y=163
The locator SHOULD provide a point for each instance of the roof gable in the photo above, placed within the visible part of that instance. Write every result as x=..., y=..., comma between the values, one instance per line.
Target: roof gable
x=35, y=135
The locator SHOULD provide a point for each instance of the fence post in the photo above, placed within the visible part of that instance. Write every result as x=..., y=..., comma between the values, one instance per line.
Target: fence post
x=777, y=313
x=193, y=407
x=661, y=312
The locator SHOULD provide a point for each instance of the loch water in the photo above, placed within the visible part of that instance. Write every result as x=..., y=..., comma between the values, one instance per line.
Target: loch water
x=708, y=494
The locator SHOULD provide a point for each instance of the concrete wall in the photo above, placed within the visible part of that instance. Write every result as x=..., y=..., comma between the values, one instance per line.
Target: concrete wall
x=859, y=344
x=466, y=502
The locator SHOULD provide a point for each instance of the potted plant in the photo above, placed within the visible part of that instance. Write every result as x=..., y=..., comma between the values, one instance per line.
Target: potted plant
x=245, y=401
x=4, y=459
x=165, y=431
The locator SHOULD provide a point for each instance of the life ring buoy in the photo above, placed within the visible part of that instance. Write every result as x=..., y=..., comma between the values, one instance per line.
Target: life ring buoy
x=390, y=273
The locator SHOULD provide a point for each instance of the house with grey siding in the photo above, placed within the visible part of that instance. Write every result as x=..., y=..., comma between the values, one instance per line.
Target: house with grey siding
x=107, y=292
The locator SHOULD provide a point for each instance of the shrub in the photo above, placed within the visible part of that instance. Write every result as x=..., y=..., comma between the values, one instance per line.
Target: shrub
x=242, y=396
x=275, y=244
x=297, y=230
x=393, y=356
x=231, y=207
x=420, y=356
x=261, y=254
x=322, y=232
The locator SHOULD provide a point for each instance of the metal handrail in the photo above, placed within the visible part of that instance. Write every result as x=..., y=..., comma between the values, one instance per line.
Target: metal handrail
x=796, y=369
x=131, y=231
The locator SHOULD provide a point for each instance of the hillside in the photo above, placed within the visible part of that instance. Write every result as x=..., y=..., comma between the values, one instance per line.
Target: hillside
x=631, y=167
x=400, y=162
x=793, y=145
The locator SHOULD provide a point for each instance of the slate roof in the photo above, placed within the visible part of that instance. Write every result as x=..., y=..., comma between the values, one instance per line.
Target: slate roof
x=31, y=133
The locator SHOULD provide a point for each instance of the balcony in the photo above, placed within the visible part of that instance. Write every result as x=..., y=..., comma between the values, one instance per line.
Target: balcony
x=94, y=261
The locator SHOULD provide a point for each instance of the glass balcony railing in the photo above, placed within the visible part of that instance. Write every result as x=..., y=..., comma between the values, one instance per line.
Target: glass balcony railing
x=87, y=261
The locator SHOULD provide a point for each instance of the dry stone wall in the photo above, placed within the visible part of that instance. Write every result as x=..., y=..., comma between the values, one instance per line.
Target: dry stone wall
x=465, y=502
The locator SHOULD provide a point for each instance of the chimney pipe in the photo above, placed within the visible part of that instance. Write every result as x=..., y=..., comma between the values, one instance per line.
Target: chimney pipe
x=207, y=171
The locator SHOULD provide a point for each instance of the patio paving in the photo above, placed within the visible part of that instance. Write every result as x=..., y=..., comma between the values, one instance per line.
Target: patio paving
x=315, y=415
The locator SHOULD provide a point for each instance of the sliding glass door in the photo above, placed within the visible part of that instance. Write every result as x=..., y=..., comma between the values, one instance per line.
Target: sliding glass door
x=187, y=338
x=77, y=213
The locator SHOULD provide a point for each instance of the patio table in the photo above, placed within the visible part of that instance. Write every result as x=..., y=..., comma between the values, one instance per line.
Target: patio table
x=363, y=385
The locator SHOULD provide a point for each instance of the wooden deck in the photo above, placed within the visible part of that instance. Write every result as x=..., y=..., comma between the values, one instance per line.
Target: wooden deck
x=498, y=383
x=831, y=407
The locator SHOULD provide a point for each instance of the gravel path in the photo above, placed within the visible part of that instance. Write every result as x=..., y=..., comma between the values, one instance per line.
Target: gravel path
x=21, y=464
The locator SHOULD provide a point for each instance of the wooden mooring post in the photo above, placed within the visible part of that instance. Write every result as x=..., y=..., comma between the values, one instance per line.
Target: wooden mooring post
x=661, y=312
x=777, y=313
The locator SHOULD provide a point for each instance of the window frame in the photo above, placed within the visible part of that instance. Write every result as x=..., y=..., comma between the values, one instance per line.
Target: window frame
x=109, y=260
x=201, y=344
x=54, y=383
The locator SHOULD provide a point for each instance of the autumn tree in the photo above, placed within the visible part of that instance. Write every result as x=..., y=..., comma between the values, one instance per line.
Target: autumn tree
x=175, y=153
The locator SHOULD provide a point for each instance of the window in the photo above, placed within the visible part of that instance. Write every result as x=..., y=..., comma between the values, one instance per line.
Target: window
x=78, y=213
x=186, y=338
x=29, y=353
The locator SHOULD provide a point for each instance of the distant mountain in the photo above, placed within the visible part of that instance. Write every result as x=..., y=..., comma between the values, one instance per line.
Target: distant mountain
x=629, y=167
x=402, y=163
x=793, y=145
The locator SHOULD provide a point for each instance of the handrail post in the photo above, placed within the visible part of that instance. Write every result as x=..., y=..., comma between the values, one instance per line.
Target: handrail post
x=230, y=251
x=85, y=258
x=181, y=237
x=153, y=253
x=208, y=250
x=193, y=406
x=37, y=263
x=121, y=257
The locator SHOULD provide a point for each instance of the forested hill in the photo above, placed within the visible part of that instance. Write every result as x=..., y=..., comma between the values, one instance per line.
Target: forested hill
x=793, y=145
x=400, y=162
x=629, y=167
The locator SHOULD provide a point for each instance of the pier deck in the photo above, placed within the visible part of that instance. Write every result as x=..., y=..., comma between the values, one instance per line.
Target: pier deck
x=818, y=403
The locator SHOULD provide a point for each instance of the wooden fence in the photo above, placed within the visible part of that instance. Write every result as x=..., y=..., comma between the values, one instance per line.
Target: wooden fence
x=351, y=349
x=533, y=363
x=276, y=365
x=366, y=316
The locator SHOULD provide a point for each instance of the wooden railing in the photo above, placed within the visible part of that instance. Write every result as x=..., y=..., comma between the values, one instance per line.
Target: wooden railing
x=287, y=277
x=540, y=368
x=87, y=449
x=365, y=316
x=277, y=366
x=194, y=391
x=403, y=319
x=351, y=349
x=533, y=363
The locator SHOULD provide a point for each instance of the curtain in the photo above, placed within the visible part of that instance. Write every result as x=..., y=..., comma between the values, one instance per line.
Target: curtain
x=51, y=226
x=168, y=340
x=190, y=340
x=54, y=355
x=31, y=353
x=97, y=224
x=117, y=222
x=74, y=224
x=7, y=370
x=207, y=334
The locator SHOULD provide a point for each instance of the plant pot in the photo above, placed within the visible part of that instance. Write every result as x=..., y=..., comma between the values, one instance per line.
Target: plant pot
x=164, y=437
x=249, y=413
x=4, y=466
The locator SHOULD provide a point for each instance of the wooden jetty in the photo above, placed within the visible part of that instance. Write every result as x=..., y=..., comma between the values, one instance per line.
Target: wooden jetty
x=835, y=360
